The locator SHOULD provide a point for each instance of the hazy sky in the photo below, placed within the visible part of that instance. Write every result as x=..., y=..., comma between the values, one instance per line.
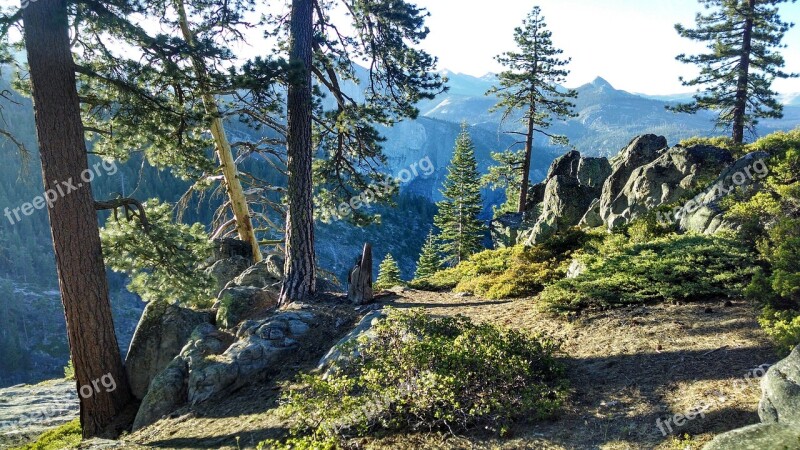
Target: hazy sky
x=630, y=43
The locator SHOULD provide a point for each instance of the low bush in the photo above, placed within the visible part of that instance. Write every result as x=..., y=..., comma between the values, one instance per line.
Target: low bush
x=509, y=272
x=63, y=437
x=670, y=268
x=416, y=372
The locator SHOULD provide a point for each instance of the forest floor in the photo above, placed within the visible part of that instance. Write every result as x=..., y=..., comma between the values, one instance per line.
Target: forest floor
x=627, y=368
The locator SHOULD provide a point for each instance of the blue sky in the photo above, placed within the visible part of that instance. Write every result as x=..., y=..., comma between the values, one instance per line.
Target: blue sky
x=630, y=43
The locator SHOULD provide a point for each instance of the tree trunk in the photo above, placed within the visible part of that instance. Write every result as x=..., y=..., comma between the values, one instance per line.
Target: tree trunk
x=359, y=281
x=526, y=164
x=740, y=107
x=300, y=269
x=73, y=221
x=241, y=211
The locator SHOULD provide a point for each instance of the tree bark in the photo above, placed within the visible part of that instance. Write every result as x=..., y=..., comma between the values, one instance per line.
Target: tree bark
x=73, y=221
x=233, y=186
x=300, y=268
x=740, y=107
x=526, y=164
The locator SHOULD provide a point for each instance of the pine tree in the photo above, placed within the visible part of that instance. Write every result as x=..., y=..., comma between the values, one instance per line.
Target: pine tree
x=506, y=175
x=531, y=84
x=429, y=260
x=738, y=70
x=388, y=274
x=457, y=219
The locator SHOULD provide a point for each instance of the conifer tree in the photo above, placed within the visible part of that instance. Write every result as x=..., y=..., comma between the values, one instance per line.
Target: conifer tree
x=429, y=260
x=742, y=62
x=457, y=219
x=388, y=273
x=506, y=175
x=531, y=84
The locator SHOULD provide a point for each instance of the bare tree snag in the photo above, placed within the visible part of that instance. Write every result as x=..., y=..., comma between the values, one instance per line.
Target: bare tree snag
x=359, y=290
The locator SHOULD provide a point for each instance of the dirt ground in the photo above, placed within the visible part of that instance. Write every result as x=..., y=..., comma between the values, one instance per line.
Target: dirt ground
x=627, y=368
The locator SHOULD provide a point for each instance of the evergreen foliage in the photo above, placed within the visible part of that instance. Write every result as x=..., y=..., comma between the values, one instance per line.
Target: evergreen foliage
x=388, y=274
x=429, y=260
x=164, y=262
x=461, y=230
x=532, y=84
x=742, y=61
x=418, y=372
x=506, y=175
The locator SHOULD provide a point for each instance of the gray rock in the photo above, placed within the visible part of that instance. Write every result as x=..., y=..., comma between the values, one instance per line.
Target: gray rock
x=703, y=214
x=265, y=273
x=640, y=151
x=762, y=436
x=160, y=335
x=225, y=270
x=345, y=351
x=235, y=303
x=664, y=180
x=258, y=352
x=505, y=229
x=565, y=203
x=168, y=390
x=780, y=392
x=576, y=268
x=572, y=185
x=230, y=248
x=28, y=410
x=592, y=218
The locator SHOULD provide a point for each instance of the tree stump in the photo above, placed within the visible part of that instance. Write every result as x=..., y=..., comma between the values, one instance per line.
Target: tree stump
x=359, y=280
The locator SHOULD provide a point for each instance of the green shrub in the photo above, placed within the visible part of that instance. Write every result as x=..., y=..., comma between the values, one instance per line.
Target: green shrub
x=69, y=371
x=417, y=372
x=671, y=268
x=63, y=437
x=783, y=326
x=510, y=272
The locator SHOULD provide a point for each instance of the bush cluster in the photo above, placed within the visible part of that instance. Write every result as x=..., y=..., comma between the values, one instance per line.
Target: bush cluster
x=509, y=272
x=670, y=268
x=416, y=372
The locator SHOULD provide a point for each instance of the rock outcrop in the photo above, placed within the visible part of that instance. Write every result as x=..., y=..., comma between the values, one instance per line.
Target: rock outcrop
x=341, y=353
x=640, y=151
x=703, y=214
x=259, y=349
x=169, y=389
x=779, y=411
x=670, y=176
x=162, y=332
x=573, y=183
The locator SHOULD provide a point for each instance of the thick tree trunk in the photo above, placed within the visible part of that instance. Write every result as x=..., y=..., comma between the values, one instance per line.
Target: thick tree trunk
x=300, y=266
x=526, y=164
x=233, y=186
x=740, y=107
x=73, y=221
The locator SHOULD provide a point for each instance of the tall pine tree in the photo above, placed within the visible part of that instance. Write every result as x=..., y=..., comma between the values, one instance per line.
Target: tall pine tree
x=531, y=85
x=742, y=62
x=461, y=229
x=429, y=260
x=506, y=175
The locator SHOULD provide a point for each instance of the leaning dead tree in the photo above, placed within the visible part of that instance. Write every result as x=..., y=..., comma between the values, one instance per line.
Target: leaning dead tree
x=359, y=280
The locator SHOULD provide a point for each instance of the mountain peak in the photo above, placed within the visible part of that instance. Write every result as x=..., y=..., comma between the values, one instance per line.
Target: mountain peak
x=602, y=82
